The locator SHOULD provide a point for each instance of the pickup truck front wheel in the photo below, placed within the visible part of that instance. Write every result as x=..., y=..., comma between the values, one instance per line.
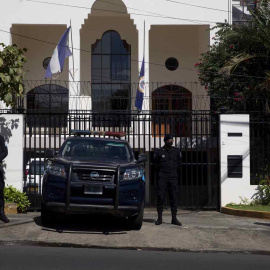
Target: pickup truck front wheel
x=137, y=220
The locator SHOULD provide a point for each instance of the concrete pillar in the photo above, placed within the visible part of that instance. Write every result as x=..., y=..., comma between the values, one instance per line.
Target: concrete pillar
x=235, y=152
x=11, y=128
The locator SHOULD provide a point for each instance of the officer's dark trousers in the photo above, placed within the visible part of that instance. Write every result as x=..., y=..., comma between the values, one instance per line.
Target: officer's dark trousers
x=2, y=185
x=164, y=184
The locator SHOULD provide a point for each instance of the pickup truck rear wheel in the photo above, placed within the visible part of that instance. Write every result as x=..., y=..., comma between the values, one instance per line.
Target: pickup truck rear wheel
x=46, y=216
x=137, y=221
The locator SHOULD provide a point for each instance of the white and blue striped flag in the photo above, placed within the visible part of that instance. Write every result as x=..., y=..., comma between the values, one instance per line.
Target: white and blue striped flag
x=60, y=53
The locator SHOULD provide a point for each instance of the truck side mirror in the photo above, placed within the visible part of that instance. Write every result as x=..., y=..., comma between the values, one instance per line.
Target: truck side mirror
x=142, y=158
x=50, y=153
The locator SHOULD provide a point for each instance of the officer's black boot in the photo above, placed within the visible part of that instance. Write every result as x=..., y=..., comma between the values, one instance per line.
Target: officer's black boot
x=159, y=220
x=2, y=215
x=175, y=221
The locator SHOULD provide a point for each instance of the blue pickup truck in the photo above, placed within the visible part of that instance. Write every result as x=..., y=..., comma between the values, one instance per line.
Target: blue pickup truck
x=94, y=175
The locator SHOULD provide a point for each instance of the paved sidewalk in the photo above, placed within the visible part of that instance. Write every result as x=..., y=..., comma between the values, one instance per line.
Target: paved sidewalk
x=201, y=231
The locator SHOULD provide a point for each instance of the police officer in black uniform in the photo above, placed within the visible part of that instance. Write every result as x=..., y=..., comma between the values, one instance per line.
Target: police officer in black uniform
x=3, y=154
x=167, y=161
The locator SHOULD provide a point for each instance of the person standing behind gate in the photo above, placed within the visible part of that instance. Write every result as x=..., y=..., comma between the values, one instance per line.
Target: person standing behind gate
x=3, y=154
x=167, y=161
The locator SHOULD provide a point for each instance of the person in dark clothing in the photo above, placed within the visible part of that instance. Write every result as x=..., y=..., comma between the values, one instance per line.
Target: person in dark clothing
x=167, y=161
x=3, y=154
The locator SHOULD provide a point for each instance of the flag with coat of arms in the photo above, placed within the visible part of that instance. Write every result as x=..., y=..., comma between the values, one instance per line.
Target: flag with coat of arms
x=140, y=90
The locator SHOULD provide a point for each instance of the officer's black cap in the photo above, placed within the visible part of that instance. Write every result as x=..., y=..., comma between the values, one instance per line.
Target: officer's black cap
x=168, y=137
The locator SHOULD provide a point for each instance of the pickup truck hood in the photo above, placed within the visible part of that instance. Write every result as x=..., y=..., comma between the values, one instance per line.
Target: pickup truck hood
x=96, y=163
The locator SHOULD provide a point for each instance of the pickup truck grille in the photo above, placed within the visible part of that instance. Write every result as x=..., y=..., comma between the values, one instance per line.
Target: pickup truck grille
x=94, y=175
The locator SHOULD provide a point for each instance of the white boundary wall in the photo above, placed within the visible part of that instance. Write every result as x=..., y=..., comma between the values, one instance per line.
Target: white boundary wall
x=11, y=128
x=234, y=188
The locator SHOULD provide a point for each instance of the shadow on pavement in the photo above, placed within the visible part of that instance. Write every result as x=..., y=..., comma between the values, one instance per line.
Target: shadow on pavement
x=263, y=224
x=149, y=220
x=87, y=224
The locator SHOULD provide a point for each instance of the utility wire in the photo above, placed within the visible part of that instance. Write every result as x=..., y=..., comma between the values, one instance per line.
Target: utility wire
x=180, y=3
x=53, y=43
x=133, y=60
x=123, y=12
x=107, y=2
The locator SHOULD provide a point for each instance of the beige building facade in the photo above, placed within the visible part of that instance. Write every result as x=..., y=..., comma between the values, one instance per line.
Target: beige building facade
x=169, y=36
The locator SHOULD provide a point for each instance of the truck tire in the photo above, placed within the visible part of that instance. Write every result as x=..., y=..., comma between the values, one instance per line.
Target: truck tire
x=46, y=216
x=137, y=220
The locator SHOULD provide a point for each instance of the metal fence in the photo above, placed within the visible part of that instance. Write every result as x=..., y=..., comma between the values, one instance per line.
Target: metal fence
x=64, y=96
x=259, y=147
x=196, y=133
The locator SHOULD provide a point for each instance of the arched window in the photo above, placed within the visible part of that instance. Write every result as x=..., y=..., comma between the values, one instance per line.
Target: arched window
x=51, y=101
x=111, y=73
x=167, y=100
x=171, y=98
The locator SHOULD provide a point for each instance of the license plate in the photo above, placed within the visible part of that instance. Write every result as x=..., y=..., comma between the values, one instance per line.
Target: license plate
x=92, y=189
x=33, y=189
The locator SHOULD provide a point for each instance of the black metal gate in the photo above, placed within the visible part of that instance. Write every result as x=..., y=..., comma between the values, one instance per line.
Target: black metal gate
x=196, y=133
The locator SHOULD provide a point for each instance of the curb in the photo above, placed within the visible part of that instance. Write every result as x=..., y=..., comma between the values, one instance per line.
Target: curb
x=89, y=246
x=245, y=213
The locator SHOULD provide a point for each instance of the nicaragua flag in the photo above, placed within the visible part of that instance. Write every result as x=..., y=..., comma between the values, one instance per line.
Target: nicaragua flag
x=140, y=90
x=60, y=53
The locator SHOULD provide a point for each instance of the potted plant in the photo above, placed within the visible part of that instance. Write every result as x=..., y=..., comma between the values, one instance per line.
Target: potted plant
x=15, y=199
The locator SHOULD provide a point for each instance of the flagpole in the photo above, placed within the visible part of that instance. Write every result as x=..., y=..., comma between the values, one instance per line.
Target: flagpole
x=144, y=40
x=72, y=50
x=144, y=54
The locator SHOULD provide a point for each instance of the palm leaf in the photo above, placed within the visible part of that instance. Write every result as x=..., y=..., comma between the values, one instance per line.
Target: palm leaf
x=232, y=65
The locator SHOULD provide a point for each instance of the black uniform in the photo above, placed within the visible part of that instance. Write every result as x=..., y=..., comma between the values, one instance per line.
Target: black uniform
x=3, y=154
x=167, y=164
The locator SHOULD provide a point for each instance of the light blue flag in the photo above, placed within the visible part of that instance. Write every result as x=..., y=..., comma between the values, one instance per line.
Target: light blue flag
x=60, y=53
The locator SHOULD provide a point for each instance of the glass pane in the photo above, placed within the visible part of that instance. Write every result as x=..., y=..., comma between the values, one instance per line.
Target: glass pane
x=126, y=64
x=93, y=149
x=57, y=89
x=120, y=96
x=96, y=68
x=97, y=97
x=117, y=44
x=107, y=91
x=96, y=90
x=43, y=101
x=116, y=68
x=106, y=43
x=106, y=68
x=96, y=61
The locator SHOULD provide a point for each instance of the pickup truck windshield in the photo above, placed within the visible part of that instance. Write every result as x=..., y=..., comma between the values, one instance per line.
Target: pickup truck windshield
x=96, y=149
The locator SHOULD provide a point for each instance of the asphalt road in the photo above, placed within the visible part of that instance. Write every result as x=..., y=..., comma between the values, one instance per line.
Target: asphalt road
x=39, y=258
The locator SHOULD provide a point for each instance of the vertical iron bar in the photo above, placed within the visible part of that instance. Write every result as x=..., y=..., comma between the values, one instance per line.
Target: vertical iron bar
x=67, y=206
x=117, y=186
x=191, y=161
x=197, y=160
x=35, y=167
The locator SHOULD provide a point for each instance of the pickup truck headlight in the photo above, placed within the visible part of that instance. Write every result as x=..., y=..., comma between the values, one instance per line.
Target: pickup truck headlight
x=56, y=169
x=133, y=173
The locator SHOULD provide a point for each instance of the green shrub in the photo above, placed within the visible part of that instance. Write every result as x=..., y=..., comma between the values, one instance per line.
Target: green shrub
x=262, y=197
x=11, y=194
